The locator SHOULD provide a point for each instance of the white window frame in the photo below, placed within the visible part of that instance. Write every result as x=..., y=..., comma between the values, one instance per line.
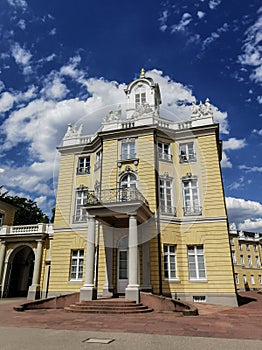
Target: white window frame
x=247, y=246
x=249, y=259
x=164, y=151
x=196, y=258
x=140, y=97
x=244, y=279
x=83, y=166
x=98, y=162
x=2, y=219
x=191, y=196
x=258, y=263
x=81, y=195
x=240, y=246
x=236, y=278
x=252, y=279
x=242, y=261
x=234, y=257
x=76, y=264
x=259, y=279
x=166, y=195
x=170, y=265
x=187, y=152
x=128, y=149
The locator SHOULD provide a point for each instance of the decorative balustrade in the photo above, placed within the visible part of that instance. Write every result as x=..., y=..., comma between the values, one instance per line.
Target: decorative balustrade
x=115, y=195
x=194, y=210
x=27, y=229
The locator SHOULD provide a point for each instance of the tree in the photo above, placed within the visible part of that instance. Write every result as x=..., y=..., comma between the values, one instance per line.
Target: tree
x=28, y=212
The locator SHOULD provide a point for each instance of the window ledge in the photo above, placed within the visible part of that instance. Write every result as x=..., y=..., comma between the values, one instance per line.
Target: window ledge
x=75, y=281
x=172, y=280
x=202, y=280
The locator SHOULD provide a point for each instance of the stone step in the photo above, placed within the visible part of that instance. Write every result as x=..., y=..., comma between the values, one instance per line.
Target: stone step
x=108, y=307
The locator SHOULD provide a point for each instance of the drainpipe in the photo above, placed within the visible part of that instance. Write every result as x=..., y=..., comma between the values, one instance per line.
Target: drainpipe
x=159, y=244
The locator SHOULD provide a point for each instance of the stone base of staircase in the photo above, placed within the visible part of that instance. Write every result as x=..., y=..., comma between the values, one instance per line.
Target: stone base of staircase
x=108, y=306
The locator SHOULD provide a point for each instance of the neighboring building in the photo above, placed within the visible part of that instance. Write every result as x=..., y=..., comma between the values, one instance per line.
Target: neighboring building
x=140, y=206
x=246, y=256
x=24, y=256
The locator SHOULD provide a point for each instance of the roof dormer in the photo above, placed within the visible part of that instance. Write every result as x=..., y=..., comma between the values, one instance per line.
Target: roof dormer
x=142, y=93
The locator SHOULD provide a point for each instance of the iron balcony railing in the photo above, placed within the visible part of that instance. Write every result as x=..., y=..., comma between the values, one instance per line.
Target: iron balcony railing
x=194, y=210
x=115, y=195
x=167, y=210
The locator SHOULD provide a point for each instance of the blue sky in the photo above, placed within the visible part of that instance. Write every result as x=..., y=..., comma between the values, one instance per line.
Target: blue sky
x=62, y=61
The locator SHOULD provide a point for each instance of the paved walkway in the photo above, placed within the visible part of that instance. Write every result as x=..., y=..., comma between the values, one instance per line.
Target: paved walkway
x=243, y=322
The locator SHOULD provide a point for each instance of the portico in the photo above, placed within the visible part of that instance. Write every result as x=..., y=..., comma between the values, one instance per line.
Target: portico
x=118, y=209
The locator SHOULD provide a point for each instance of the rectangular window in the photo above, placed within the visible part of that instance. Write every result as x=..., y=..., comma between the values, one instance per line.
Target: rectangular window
x=258, y=264
x=165, y=189
x=191, y=197
x=245, y=279
x=196, y=263
x=2, y=216
x=164, y=151
x=81, y=199
x=236, y=278
x=234, y=257
x=259, y=279
x=252, y=279
x=232, y=241
x=83, y=165
x=187, y=152
x=249, y=259
x=242, y=260
x=140, y=98
x=128, y=149
x=77, y=261
x=170, y=262
x=255, y=248
x=98, y=161
x=240, y=246
x=247, y=246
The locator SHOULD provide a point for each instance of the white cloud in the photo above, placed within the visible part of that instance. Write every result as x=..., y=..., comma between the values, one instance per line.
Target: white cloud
x=6, y=101
x=184, y=22
x=225, y=162
x=252, y=49
x=243, y=211
x=22, y=57
x=53, y=32
x=249, y=169
x=21, y=24
x=163, y=20
x=2, y=170
x=259, y=99
x=251, y=225
x=54, y=89
x=22, y=4
x=200, y=14
x=232, y=144
x=213, y=4
x=258, y=132
x=215, y=35
x=237, y=184
x=71, y=69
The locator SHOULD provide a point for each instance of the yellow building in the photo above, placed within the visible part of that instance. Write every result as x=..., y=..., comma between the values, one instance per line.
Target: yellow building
x=246, y=256
x=24, y=256
x=140, y=206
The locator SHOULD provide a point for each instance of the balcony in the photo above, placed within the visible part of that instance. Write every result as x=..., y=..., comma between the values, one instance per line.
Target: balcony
x=83, y=171
x=187, y=158
x=167, y=210
x=192, y=211
x=165, y=156
x=113, y=206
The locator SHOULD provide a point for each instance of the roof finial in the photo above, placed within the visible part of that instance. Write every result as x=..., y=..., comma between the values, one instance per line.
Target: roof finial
x=142, y=73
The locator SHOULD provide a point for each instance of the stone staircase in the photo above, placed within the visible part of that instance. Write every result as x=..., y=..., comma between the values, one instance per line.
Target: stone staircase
x=108, y=306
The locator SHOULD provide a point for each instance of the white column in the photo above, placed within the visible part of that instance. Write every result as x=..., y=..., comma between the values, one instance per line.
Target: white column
x=34, y=289
x=132, y=290
x=108, y=246
x=2, y=260
x=88, y=291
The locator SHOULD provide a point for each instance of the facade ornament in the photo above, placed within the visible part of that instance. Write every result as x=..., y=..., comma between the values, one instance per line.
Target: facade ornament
x=142, y=73
x=202, y=110
x=113, y=115
x=232, y=226
x=73, y=132
x=241, y=234
x=142, y=109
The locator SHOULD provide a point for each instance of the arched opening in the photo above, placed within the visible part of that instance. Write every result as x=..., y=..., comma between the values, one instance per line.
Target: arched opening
x=128, y=184
x=19, y=272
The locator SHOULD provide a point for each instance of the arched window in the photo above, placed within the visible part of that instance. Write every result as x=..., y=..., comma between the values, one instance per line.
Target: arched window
x=128, y=180
x=128, y=184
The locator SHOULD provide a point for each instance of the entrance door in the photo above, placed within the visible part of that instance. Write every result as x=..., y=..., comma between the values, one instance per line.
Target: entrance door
x=122, y=270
